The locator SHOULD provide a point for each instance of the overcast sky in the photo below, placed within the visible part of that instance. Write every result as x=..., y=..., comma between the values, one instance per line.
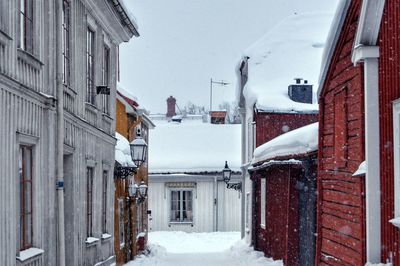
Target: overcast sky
x=185, y=43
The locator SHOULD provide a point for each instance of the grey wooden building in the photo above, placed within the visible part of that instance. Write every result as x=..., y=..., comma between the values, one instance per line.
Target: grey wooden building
x=57, y=129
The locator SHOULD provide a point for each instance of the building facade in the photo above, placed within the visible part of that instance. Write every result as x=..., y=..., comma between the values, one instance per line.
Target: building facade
x=131, y=226
x=58, y=130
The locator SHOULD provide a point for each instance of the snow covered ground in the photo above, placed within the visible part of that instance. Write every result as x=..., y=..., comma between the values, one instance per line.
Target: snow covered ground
x=197, y=249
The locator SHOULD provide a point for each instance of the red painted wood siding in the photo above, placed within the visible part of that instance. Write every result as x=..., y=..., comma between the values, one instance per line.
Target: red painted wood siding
x=389, y=90
x=340, y=216
x=271, y=125
x=279, y=240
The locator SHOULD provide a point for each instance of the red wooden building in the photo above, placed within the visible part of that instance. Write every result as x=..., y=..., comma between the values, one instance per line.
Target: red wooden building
x=284, y=174
x=359, y=120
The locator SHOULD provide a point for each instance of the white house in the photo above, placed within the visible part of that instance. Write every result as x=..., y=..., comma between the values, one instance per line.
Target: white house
x=186, y=188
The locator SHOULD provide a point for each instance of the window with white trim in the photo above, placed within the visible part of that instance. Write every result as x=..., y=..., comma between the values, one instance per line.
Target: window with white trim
x=89, y=201
x=104, y=202
x=66, y=42
x=121, y=227
x=25, y=206
x=90, y=90
x=106, y=77
x=26, y=25
x=396, y=159
x=263, y=185
x=181, y=206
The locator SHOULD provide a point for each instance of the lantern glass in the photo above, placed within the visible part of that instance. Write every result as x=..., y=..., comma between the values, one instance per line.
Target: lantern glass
x=226, y=173
x=143, y=189
x=133, y=190
x=138, y=150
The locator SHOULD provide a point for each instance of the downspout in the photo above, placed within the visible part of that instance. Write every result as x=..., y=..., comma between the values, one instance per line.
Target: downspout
x=60, y=138
x=242, y=112
x=242, y=72
x=215, y=203
x=369, y=55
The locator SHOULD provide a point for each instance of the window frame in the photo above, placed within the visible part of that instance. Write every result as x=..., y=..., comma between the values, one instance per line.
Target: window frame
x=105, y=70
x=66, y=45
x=89, y=201
x=104, y=202
x=263, y=202
x=26, y=42
x=180, y=208
x=90, y=67
x=121, y=222
x=22, y=243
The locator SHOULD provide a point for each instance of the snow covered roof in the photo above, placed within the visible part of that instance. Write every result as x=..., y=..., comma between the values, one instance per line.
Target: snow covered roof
x=333, y=36
x=128, y=97
x=123, y=151
x=193, y=147
x=127, y=16
x=296, y=142
x=293, y=49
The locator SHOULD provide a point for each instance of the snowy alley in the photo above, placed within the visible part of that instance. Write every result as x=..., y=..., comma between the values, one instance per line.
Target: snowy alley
x=182, y=249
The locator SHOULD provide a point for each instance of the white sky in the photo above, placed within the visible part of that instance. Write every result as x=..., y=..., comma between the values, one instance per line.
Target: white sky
x=185, y=43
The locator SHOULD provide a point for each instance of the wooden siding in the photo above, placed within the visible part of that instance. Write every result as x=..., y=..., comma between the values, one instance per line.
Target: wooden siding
x=271, y=125
x=389, y=90
x=341, y=211
x=289, y=214
x=27, y=121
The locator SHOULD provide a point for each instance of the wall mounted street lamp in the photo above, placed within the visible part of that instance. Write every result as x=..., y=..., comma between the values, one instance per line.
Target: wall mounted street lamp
x=226, y=174
x=138, y=154
x=138, y=149
x=138, y=193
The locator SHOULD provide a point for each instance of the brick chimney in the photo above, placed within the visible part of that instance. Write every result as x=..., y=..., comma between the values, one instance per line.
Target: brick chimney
x=171, y=102
x=300, y=92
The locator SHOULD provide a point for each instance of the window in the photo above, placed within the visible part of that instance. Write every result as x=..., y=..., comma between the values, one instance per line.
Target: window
x=121, y=228
x=340, y=137
x=106, y=75
x=263, y=203
x=89, y=201
x=65, y=42
x=25, y=225
x=104, y=202
x=90, y=93
x=26, y=25
x=139, y=219
x=181, y=206
x=396, y=158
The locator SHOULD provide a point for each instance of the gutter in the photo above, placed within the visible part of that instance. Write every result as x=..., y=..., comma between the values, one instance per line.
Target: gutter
x=60, y=140
x=366, y=51
x=125, y=18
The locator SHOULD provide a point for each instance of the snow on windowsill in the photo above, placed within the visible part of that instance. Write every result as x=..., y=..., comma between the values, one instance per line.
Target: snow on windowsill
x=362, y=169
x=142, y=234
x=378, y=264
x=91, y=240
x=29, y=253
x=105, y=236
x=395, y=222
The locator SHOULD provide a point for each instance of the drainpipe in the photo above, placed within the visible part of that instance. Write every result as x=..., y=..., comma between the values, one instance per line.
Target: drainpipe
x=60, y=138
x=369, y=55
x=216, y=204
x=242, y=73
x=242, y=112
